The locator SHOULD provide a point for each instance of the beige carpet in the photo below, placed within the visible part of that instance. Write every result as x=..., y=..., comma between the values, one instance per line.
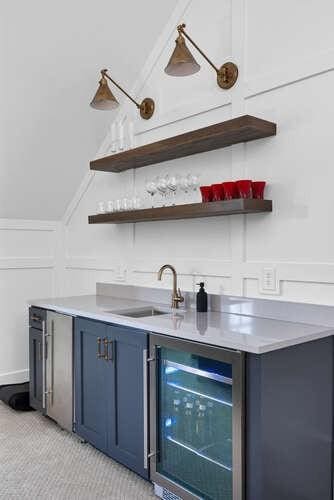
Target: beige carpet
x=40, y=461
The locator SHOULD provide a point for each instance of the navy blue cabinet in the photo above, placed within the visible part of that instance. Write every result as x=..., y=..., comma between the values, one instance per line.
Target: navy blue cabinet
x=128, y=436
x=93, y=383
x=110, y=396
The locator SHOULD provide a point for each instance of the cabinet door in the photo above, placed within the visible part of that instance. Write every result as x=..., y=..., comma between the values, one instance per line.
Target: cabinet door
x=36, y=369
x=92, y=382
x=128, y=436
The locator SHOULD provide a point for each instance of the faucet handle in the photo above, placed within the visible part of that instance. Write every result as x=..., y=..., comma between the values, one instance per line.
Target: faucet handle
x=180, y=298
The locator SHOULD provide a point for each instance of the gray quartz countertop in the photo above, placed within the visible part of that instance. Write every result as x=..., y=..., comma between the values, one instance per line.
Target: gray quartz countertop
x=235, y=331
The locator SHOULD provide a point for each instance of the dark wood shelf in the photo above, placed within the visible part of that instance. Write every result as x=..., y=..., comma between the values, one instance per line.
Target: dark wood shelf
x=242, y=129
x=190, y=211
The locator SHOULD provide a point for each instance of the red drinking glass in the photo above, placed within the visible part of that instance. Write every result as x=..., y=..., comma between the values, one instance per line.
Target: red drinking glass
x=244, y=188
x=230, y=190
x=206, y=192
x=258, y=189
x=217, y=192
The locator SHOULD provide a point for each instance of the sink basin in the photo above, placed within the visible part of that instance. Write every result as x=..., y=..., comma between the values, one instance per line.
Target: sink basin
x=141, y=313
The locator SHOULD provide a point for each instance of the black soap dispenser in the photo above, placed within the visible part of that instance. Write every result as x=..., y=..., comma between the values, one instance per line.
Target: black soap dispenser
x=201, y=299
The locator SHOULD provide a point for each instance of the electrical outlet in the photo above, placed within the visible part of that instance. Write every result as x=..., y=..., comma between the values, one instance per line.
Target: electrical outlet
x=269, y=283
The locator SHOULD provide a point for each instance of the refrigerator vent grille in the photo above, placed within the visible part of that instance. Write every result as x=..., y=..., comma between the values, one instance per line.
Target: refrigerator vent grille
x=168, y=495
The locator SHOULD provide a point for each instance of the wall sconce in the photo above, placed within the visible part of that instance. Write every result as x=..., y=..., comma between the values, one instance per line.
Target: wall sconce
x=182, y=62
x=104, y=99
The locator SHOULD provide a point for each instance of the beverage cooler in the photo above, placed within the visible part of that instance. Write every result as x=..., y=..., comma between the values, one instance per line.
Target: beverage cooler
x=196, y=414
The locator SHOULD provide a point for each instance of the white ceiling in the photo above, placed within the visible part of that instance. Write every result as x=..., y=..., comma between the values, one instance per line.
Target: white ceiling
x=50, y=56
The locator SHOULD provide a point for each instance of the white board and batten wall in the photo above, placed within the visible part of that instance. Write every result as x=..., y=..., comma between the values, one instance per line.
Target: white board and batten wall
x=286, y=76
x=29, y=257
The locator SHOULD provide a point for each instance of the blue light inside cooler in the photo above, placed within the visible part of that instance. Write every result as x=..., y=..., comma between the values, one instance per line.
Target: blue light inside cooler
x=170, y=369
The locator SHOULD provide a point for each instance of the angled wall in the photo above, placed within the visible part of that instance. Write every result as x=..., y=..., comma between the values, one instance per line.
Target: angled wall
x=286, y=76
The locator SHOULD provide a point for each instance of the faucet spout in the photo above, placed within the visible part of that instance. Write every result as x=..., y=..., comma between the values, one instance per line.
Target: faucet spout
x=176, y=293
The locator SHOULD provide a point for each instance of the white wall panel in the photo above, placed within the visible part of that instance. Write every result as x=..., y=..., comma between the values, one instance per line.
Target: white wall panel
x=285, y=54
x=299, y=168
x=283, y=32
x=28, y=260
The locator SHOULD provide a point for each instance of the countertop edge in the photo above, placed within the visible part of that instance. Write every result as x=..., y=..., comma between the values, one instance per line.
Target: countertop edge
x=132, y=323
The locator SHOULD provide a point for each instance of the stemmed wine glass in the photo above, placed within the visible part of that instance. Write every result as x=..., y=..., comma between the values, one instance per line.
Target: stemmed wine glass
x=173, y=182
x=161, y=183
x=194, y=182
x=151, y=188
x=185, y=185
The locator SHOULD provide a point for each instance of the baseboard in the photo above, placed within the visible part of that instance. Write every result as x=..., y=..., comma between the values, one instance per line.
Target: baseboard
x=16, y=377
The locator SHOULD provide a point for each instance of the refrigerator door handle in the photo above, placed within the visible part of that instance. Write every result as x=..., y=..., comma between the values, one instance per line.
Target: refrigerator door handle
x=145, y=402
x=43, y=365
x=51, y=362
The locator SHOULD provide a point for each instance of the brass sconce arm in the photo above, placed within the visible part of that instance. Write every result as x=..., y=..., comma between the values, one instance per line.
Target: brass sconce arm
x=182, y=62
x=181, y=29
x=105, y=100
x=104, y=72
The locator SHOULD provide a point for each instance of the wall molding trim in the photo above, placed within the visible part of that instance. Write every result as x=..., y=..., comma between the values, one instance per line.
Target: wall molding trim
x=301, y=69
x=80, y=193
x=27, y=225
x=89, y=264
x=27, y=263
x=15, y=377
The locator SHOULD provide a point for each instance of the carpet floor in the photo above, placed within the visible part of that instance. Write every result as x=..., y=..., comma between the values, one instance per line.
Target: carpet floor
x=40, y=461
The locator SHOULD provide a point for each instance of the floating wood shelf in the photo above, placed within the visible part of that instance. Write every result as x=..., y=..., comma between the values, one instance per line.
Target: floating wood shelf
x=242, y=129
x=191, y=211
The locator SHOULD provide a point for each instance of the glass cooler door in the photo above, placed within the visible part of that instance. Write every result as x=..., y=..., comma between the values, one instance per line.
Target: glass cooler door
x=198, y=420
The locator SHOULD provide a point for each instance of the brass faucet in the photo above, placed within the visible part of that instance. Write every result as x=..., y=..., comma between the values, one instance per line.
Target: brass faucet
x=176, y=296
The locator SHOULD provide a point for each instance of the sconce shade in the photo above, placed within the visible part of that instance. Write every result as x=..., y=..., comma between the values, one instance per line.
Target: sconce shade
x=104, y=99
x=182, y=62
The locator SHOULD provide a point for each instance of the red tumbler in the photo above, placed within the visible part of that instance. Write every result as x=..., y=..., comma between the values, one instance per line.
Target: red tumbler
x=217, y=192
x=206, y=192
x=230, y=190
x=244, y=188
x=258, y=189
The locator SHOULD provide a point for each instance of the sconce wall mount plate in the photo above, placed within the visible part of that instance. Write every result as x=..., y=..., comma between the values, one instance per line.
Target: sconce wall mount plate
x=227, y=75
x=147, y=108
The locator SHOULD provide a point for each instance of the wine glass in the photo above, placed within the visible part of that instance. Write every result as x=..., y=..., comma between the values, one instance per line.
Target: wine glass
x=151, y=188
x=194, y=182
x=173, y=182
x=185, y=185
x=161, y=183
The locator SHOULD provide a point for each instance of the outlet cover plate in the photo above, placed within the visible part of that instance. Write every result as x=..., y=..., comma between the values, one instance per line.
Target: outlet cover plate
x=269, y=283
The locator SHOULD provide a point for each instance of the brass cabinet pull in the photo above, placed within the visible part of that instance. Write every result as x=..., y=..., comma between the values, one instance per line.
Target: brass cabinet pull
x=99, y=354
x=111, y=355
x=105, y=351
x=108, y=355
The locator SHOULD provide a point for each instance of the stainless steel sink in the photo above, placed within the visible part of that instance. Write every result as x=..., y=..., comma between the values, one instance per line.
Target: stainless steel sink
x=140, y=313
